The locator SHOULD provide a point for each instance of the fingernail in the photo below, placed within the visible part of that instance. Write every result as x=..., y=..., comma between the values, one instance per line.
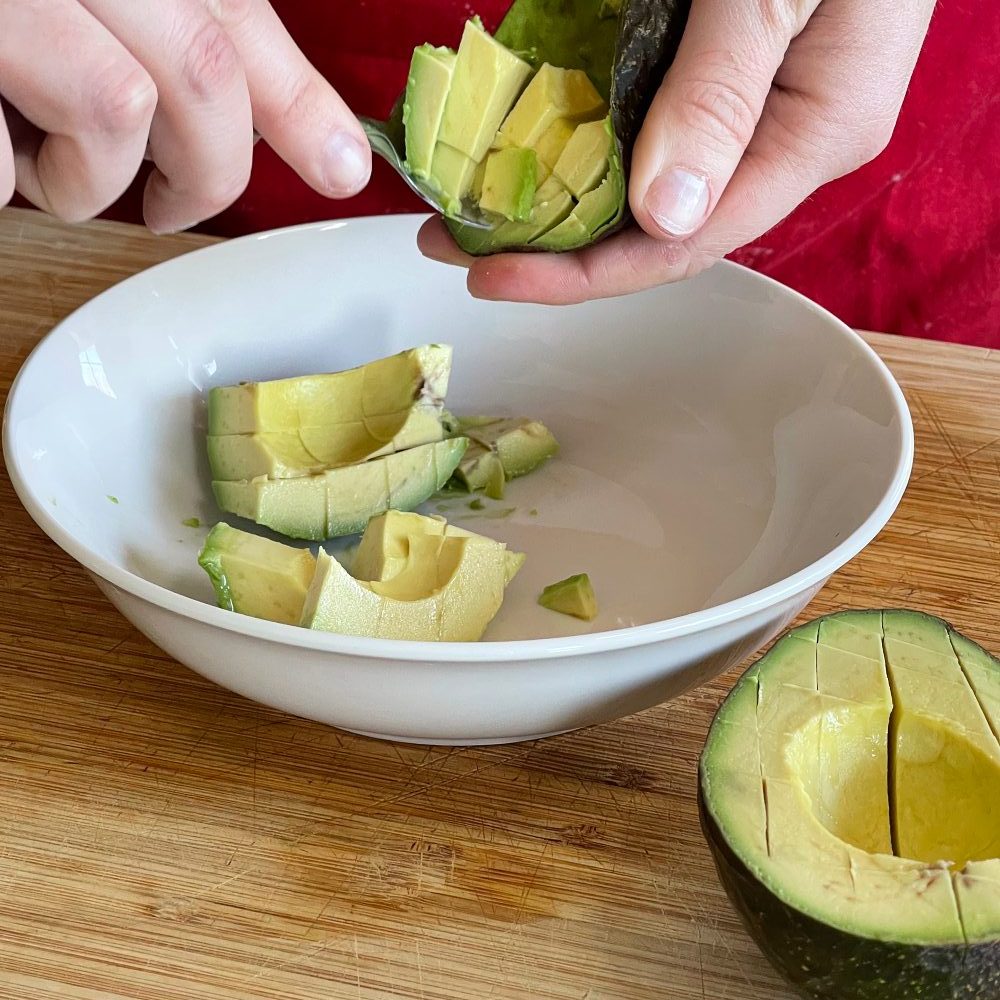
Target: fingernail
x=678, y=201
x=346, y=164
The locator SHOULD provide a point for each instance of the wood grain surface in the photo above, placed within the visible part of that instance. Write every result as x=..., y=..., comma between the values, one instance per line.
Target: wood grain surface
x=163, y=839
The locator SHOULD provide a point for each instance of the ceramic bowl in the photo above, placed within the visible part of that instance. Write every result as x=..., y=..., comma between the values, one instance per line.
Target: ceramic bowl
x=726, y=446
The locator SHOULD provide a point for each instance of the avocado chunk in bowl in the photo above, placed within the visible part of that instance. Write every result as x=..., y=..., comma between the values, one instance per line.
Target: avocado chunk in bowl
x=850, y=792
x=531, y=130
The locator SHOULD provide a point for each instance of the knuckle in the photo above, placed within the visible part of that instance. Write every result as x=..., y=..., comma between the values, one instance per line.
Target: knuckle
x=720, y=111
x=220, y=193
x=781, y=17
x=232, y=12
x=211, y=62
x=124, y=99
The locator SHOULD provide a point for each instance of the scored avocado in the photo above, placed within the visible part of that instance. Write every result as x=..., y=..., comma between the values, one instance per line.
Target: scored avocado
x=850, y=793
x=440, y=586
x=341, y=501
x=500, y=449
x=554, y=69
x=573, y=596
x=299, y=426
x=256, y=576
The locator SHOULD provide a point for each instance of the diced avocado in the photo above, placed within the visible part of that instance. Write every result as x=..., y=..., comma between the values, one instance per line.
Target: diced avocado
x=520, y=443
x=388, y=387
x=572, y=596
x=452, y=174
x=509, y=183
x=256, y=576
x=864, y=855
x=553, y=141
x=553, y=203
x=384, y=548
x=341, y=501
x=427, y=89
x=487, y=80
x=552, y=94
x=447, y=588
x=595, y=209
x=481, y=469
x=584, y=160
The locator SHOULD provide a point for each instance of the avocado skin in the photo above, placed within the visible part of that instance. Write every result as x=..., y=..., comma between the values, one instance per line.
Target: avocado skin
x=826, y=963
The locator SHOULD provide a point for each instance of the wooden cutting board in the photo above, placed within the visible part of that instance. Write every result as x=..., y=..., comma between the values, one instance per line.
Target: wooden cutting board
x=163, y=839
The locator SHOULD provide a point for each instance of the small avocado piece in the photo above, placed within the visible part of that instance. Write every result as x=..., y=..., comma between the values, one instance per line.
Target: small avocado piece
x=427, y=87
x=388, y=387
x=447, y=588
x=481, y=469
x=509, y=183
x=487, y=80
x=384, y=549
x=341, y=501
x=256, y=576
x=552, y=94
x=572, y=596
x=452, y=174
x=520, y=443
x=584, y=160
x=594, y=210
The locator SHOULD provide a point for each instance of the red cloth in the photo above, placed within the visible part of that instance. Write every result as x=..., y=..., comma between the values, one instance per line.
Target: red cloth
x=909, y=244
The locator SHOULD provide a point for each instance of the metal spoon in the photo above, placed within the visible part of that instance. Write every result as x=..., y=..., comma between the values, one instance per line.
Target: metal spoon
x=385, y=139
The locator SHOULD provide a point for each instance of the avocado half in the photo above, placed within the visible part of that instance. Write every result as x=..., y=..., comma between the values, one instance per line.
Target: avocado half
x=850, y=793
x=623, y=46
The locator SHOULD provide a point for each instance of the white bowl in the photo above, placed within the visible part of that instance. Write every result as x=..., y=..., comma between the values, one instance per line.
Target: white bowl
x=726, y=446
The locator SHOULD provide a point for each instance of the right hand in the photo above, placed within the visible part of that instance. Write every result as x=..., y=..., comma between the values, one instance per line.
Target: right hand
x=91, y=87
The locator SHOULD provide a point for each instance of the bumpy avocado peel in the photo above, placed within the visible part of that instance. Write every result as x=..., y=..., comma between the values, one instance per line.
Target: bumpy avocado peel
x=624, y=46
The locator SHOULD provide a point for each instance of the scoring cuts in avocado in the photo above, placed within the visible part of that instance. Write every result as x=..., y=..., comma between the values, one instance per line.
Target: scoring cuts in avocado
x=341, y=501
x=568, y=80
x=298, y=426
x=850, y=792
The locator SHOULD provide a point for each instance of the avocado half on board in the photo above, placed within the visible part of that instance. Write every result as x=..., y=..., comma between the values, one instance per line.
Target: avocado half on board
x=850, y=793
x=531, y=130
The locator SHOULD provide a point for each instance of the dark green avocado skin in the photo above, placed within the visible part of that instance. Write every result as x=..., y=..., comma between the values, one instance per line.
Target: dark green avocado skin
x=824, y=963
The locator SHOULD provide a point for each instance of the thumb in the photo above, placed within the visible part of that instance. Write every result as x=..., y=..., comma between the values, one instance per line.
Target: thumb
x=707, y=109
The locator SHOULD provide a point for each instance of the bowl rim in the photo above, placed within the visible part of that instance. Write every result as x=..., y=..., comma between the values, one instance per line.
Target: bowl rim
x=812, y=575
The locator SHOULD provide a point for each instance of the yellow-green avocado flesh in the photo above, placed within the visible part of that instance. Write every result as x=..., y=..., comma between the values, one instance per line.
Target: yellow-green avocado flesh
x=850, y=792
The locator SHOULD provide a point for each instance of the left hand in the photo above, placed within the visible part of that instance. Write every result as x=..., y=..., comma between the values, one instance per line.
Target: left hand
x=766, y=101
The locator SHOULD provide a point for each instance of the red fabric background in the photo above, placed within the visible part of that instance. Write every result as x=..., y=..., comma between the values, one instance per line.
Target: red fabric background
x=909, y=244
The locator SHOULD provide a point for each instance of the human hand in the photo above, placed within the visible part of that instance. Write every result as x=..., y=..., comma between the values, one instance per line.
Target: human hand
x=766, y=101
x=90, y=87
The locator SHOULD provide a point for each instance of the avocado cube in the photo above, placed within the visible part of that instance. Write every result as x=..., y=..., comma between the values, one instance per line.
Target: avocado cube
x=509, y=183
x=451, y=174
x=572, y=596
x=584, y=161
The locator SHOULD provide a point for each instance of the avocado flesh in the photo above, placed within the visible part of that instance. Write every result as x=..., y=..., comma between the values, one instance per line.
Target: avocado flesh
x=795, y=799
x=287, y=454
x=583, y=162
x=481, y=469
x=509, y=183
x=500, y=449
x=594, y=209
x=389, y=387
x=487, y=80
x=572, y=596
x=448, y=589
x=341, y=501
x=452, y=174
x=552, y=94
x=384, y=548
x=256, y=576
x=427, y=86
